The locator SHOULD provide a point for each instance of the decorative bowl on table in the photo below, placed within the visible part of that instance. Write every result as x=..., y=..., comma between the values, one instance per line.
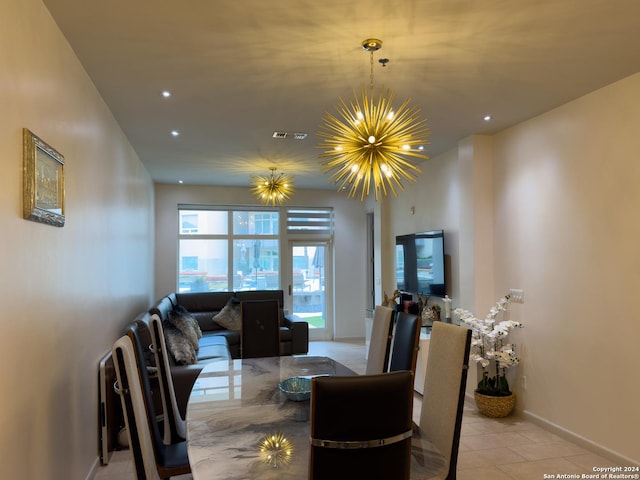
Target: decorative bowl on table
x=297, y=389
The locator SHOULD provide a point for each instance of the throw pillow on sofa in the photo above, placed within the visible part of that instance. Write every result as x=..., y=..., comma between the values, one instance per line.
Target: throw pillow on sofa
x=181, y=318
x=229, y=317
x=178, y=344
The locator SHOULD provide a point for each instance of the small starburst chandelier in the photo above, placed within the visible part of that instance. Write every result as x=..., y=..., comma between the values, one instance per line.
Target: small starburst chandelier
x=370, y=143
x=276, y=450
x=274, y=189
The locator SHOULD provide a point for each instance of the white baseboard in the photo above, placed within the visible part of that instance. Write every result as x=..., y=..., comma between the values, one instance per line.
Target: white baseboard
x=579, y=440
x=93, y=470
x=573, y=437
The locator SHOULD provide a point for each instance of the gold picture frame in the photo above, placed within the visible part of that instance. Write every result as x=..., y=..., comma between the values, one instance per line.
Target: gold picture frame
x=43, y=181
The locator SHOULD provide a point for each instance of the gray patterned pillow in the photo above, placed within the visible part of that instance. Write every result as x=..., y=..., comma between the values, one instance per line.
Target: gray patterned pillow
x=229, y=317
x=178, y=344
x=181, y=318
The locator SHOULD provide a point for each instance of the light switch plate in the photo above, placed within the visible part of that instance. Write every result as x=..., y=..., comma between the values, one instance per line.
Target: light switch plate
x=516, y=295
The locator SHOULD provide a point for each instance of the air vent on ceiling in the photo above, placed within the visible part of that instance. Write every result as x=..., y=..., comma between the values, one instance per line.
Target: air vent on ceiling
x=295, y=136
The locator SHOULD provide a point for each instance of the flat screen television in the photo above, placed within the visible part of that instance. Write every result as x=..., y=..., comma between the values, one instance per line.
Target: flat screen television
x=420, y=263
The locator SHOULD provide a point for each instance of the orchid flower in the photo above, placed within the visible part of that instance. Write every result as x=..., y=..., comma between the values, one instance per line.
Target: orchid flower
x=488, y=345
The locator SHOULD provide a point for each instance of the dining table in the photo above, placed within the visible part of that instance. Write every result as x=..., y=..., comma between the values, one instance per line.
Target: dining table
x=241, y=426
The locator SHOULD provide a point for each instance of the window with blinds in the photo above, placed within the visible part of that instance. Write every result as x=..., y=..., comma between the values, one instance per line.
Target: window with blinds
x=315, y=221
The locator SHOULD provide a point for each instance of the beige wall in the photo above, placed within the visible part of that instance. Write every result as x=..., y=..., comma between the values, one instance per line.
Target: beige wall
x=66, y=292
x=567, y=229
x=558, y=217
x=349, y=241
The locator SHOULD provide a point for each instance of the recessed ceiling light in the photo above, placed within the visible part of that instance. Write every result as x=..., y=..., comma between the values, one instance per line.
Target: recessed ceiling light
x=175, y=133
x=166, y=93
x=487, y=118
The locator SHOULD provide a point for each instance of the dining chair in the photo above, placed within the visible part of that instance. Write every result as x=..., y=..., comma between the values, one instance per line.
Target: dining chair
x=260, y=328
x=361, y=426
x=406, y=339
x=380, y=343
x=174, y=424
x=444, y=389
x=152, y=459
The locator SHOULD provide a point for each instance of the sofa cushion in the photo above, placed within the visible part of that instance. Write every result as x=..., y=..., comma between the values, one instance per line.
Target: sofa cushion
x=214, y=351
x=203, y=301
x=208, y=340
x=285, y=334
x=230, y=317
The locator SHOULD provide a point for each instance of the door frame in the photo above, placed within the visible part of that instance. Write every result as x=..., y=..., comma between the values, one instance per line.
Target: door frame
x=326, y=333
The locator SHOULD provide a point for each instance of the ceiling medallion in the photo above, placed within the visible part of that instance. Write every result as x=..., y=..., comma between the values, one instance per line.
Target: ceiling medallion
x=371, y=145
x=273, y=189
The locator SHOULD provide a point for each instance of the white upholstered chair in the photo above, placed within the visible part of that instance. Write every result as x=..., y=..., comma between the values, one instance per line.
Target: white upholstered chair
x=175, y=428
x=444, y=388
x=378, y=355
x=152, y=459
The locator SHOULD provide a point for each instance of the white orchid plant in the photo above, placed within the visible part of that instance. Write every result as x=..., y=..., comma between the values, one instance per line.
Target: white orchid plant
x=489, y=347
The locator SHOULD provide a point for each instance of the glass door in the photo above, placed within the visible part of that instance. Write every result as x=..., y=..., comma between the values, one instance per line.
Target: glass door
x=309, y=297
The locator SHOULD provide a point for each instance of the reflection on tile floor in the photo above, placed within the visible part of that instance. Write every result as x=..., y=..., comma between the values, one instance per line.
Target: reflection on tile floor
x=492, y=449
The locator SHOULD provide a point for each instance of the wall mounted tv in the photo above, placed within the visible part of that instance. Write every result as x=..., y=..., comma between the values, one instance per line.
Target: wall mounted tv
x=420, y=263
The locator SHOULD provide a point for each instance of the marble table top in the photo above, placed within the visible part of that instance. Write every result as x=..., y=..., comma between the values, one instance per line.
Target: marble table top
x=236, y=415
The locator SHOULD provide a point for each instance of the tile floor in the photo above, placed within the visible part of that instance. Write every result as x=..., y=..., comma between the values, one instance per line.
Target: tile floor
x=492, y=449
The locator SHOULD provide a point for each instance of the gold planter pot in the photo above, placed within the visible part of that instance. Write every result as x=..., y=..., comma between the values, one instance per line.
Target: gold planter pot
x=495, y=407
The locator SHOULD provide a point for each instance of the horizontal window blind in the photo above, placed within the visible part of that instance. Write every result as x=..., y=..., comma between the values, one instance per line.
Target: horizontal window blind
x=315, y=221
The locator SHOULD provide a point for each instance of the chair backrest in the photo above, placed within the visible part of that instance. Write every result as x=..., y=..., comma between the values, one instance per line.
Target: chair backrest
x=406, y=338
x=260, y=328
x=141, y=441
x=378, y=354
x=153, y=460
x=361, y=426
x=444, y=388
x=174, y=425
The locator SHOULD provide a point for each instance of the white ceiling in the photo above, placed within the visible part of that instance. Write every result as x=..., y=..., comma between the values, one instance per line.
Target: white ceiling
x=241, y=69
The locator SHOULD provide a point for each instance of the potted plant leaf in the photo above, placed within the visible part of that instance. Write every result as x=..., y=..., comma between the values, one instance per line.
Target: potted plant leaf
x=490, y=350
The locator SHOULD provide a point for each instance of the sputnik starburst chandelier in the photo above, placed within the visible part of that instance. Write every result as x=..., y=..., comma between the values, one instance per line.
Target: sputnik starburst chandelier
x=273, y=189
x=371, y=145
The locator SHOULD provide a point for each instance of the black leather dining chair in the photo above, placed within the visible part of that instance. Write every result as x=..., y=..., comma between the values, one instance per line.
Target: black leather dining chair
x=361, y=427
x=406, y=340
x=260, y=328
x=152, y=459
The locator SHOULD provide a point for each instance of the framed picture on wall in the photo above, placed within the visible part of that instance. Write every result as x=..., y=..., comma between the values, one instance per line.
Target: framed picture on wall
x=43, y=181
